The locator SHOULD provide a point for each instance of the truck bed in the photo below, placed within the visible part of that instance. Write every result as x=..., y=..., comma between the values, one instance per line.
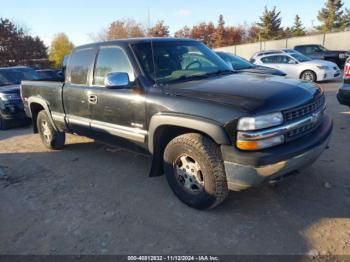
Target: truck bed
x=50, y=91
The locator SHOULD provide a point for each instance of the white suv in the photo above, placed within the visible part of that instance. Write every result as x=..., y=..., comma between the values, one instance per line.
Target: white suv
x=296, y=65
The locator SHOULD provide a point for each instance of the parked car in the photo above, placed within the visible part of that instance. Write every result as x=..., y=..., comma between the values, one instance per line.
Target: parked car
x=343, y=95
x=346, y=74
x=299, y=66
x=344, y=91
x=241, y=65
x=51, y=74
x=209, y=130
x=273, y=52
x=320, y=52
x=11, y=106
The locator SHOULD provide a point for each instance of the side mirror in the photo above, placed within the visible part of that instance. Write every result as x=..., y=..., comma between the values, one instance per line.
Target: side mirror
x=117, y=80
x=292, y=62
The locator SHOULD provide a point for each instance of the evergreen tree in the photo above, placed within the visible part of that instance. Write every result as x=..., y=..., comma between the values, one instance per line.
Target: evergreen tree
x=270, y=24
x=18, y=48
x=331, y=16
x=219, y=34
x=297, y=29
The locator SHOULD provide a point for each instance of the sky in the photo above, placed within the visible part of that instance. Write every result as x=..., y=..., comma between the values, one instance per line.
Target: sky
x=81, y=19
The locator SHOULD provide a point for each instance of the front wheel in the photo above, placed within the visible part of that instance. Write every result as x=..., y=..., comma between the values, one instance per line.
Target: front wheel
x=195, y=171
x=51, y=138
x=3, y=124
x=309, y=76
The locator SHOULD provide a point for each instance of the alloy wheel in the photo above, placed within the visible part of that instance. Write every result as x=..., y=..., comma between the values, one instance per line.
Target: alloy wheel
x=189, y=174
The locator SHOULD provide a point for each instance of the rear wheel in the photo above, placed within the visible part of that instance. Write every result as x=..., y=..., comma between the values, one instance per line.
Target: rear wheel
x=195, y=171
x=309, y=76
x=51, y=138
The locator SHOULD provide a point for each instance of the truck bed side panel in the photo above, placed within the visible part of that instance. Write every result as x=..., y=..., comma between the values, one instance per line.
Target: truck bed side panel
x=51, y=92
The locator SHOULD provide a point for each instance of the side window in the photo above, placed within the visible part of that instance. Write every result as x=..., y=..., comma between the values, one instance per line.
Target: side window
x=283, y=59
x=111, y=59
x=269, y=60
x=79, y=65
x=309, y=49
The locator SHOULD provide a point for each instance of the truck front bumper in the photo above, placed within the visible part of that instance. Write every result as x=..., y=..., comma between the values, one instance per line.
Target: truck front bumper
x=248, y=169
x=13, y=114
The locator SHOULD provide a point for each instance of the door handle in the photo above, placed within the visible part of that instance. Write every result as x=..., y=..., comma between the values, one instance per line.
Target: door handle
x=92, y=99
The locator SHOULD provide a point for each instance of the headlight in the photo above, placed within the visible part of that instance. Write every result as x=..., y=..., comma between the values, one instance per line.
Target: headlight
x=323, y=67
x=253, y=124
x=9, y=97
x=260, y=122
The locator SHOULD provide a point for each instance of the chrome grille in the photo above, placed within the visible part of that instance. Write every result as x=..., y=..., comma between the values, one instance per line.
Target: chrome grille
x=303, y=111
x=295, y=133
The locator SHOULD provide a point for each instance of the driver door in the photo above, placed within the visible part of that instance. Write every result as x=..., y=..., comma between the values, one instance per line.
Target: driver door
x=115, y=113
x=287, y=65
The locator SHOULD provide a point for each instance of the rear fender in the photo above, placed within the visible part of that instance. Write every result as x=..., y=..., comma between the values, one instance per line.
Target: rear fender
x=43, y=103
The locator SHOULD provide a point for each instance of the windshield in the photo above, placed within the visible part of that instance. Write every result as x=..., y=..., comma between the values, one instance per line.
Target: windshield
x=300, y=57
x=319, y=48
x=173, y=61
x=14, y=76
x=237, y=62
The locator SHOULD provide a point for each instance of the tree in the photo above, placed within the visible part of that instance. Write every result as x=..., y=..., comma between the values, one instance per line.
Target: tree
x=159, y=30
x=60, y=46
x=297, y=29
x=204, y=32
x=270, y=24
x=331, y=16
x=234, y=35
x=17, y=47
x=184, y=32
x=345, y=20
x=219, y=34
x=252, y=33
x=124, y=29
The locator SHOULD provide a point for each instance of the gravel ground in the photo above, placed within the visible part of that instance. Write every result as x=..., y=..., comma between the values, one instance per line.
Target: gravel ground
x=94, y=199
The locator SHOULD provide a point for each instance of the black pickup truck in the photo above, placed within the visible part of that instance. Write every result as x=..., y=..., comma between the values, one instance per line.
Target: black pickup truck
x=209, y=130
x=320, y=52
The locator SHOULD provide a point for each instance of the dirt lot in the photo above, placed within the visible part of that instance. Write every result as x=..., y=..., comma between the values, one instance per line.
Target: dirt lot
x=93, y=199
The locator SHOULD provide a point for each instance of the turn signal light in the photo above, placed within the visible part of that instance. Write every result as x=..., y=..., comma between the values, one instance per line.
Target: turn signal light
x=247, y=145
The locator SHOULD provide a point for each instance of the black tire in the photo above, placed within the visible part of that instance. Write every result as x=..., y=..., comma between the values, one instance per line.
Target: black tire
x=308, y=75
x=51, y=138
x=196, y=148
x=3, y=124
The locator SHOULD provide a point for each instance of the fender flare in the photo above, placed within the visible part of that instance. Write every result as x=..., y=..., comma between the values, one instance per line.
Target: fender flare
x=206, y=126
x=45, y=105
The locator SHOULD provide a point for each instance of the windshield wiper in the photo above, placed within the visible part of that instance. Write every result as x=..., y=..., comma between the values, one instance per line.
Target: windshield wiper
x=221, y=72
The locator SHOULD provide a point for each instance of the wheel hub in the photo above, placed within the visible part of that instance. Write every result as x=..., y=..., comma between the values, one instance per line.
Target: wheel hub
x=308, y=76
x=46, y=130
x=189, y=174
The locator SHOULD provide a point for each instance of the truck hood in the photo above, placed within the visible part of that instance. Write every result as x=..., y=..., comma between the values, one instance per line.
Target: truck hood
x=9, y=89
x=255, y=94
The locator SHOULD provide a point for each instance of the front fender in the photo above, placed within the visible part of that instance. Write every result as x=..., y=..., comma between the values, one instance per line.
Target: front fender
x=206, y=126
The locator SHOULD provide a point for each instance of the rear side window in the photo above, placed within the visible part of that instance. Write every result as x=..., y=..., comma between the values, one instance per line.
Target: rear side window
x=111, y=59
x=268, y=59
x=277, y=59
x=79, y=65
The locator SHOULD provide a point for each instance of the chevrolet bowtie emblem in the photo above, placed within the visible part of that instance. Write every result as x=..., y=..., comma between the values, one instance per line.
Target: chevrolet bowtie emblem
x=315, y=117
